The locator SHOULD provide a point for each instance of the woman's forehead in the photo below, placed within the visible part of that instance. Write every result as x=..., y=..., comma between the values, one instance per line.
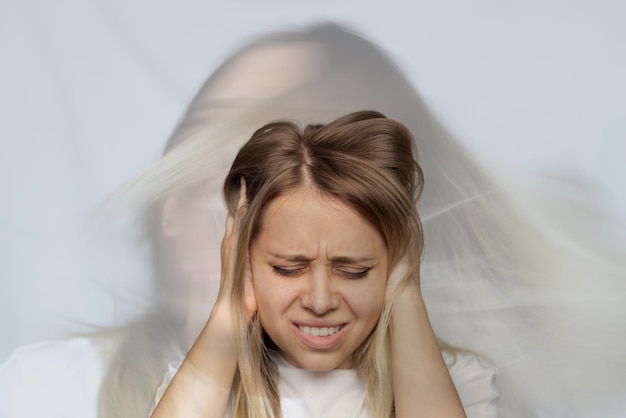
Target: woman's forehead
x=306, y=214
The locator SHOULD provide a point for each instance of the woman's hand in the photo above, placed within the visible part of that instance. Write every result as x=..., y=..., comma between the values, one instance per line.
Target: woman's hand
x=398, y=285
x=202, y=386
x=229, y=259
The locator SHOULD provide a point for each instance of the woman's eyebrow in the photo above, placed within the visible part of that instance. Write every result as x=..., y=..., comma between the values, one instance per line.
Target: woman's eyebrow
x=352, y=260
x=291, y=258
x=340, y=259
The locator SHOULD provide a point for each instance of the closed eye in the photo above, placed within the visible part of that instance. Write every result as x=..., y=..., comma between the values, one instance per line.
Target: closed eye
x=358, y=274
x=289, y=272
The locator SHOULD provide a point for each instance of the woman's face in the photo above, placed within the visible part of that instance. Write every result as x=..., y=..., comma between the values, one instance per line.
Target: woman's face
x=319, y=272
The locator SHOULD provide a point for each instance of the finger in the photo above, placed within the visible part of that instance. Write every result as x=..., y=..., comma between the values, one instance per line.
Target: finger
x=395, y=279
x=249, y=296
x=241, y=205
x=242, y=193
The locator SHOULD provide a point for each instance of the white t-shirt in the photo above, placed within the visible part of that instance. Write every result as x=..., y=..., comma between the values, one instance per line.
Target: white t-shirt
x=339, y=393
x=62, y=380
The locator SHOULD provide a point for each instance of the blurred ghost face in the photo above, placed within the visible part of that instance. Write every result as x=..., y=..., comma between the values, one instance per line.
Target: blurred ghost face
x=319, y=272
x=189, y=254
x=192, y=223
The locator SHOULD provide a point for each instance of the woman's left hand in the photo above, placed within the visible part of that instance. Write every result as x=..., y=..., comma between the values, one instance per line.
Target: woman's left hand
x=397, y=281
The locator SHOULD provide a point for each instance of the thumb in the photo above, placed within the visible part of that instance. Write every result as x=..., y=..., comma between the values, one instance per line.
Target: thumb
x=395, y=279
x=249, y=298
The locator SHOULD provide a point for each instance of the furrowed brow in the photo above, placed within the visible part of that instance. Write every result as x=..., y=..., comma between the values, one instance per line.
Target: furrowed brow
x=351, y=260
x=297, y=258
x=291, y=258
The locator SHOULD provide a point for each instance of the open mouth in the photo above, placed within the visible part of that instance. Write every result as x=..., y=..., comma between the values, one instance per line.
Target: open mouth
x=321, y=338
x=319, y=331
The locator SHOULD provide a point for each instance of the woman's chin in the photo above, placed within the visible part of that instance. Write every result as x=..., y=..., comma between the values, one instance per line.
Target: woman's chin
x=318, y=362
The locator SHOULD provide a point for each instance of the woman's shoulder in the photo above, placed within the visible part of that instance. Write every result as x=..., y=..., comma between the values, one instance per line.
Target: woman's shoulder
x=53, y=379
x=474, y=379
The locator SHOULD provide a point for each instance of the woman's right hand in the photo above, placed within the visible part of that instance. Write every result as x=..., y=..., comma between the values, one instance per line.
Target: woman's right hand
x=229, y=260
x=202, y=386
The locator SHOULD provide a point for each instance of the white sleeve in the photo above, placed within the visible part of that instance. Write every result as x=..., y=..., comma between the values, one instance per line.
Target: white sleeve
x=474, y=380
x=172, y=368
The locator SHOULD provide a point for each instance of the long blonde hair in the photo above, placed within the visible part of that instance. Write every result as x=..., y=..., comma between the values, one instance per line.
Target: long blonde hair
x=366, y=161
x=495, y=279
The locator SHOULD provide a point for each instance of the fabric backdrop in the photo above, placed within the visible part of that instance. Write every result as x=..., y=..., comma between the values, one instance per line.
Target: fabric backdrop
x=90, y=91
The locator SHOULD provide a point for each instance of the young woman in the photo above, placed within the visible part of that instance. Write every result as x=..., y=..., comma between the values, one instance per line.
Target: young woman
x=330, y=72
x=320, y=271
x=496, y=280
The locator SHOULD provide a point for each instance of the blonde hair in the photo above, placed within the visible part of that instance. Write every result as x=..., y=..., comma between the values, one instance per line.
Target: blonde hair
x=362, y=159
x=495, y=279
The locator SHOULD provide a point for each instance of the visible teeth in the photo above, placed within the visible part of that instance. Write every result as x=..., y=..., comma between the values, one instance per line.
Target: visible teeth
x=319, y=331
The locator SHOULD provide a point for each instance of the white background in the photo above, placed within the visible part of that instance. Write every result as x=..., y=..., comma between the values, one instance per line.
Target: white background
x=91, y=89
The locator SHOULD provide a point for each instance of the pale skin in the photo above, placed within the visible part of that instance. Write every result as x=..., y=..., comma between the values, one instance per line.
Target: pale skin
x=324, y=283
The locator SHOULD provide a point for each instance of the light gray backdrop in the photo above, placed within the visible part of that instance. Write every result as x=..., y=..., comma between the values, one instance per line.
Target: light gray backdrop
x=90, y=90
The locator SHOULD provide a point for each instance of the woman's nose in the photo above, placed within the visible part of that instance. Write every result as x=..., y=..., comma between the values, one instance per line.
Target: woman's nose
x=320, y=295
